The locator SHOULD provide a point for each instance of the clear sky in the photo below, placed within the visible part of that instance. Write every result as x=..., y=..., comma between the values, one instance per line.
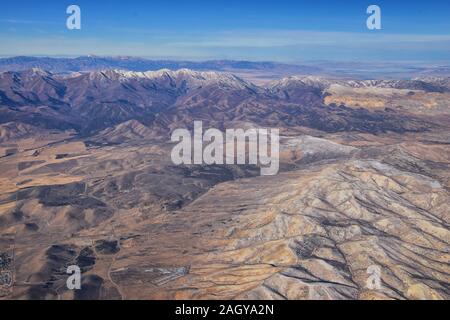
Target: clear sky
x=290, y=31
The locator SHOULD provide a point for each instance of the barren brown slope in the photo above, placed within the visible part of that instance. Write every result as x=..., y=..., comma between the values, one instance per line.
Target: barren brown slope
x=309, y=234
x=143, y=228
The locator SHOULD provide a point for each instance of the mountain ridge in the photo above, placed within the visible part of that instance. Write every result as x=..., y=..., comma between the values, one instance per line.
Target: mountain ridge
x=89, y=102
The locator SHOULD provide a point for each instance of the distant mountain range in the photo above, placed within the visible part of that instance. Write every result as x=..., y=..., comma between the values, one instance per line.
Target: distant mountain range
x=94, y=63
x=254, y=70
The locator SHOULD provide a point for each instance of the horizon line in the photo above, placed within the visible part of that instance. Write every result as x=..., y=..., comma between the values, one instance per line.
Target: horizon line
x=199, y=60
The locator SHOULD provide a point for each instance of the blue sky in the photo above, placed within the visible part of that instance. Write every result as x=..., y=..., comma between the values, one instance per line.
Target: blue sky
x=289, y=31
